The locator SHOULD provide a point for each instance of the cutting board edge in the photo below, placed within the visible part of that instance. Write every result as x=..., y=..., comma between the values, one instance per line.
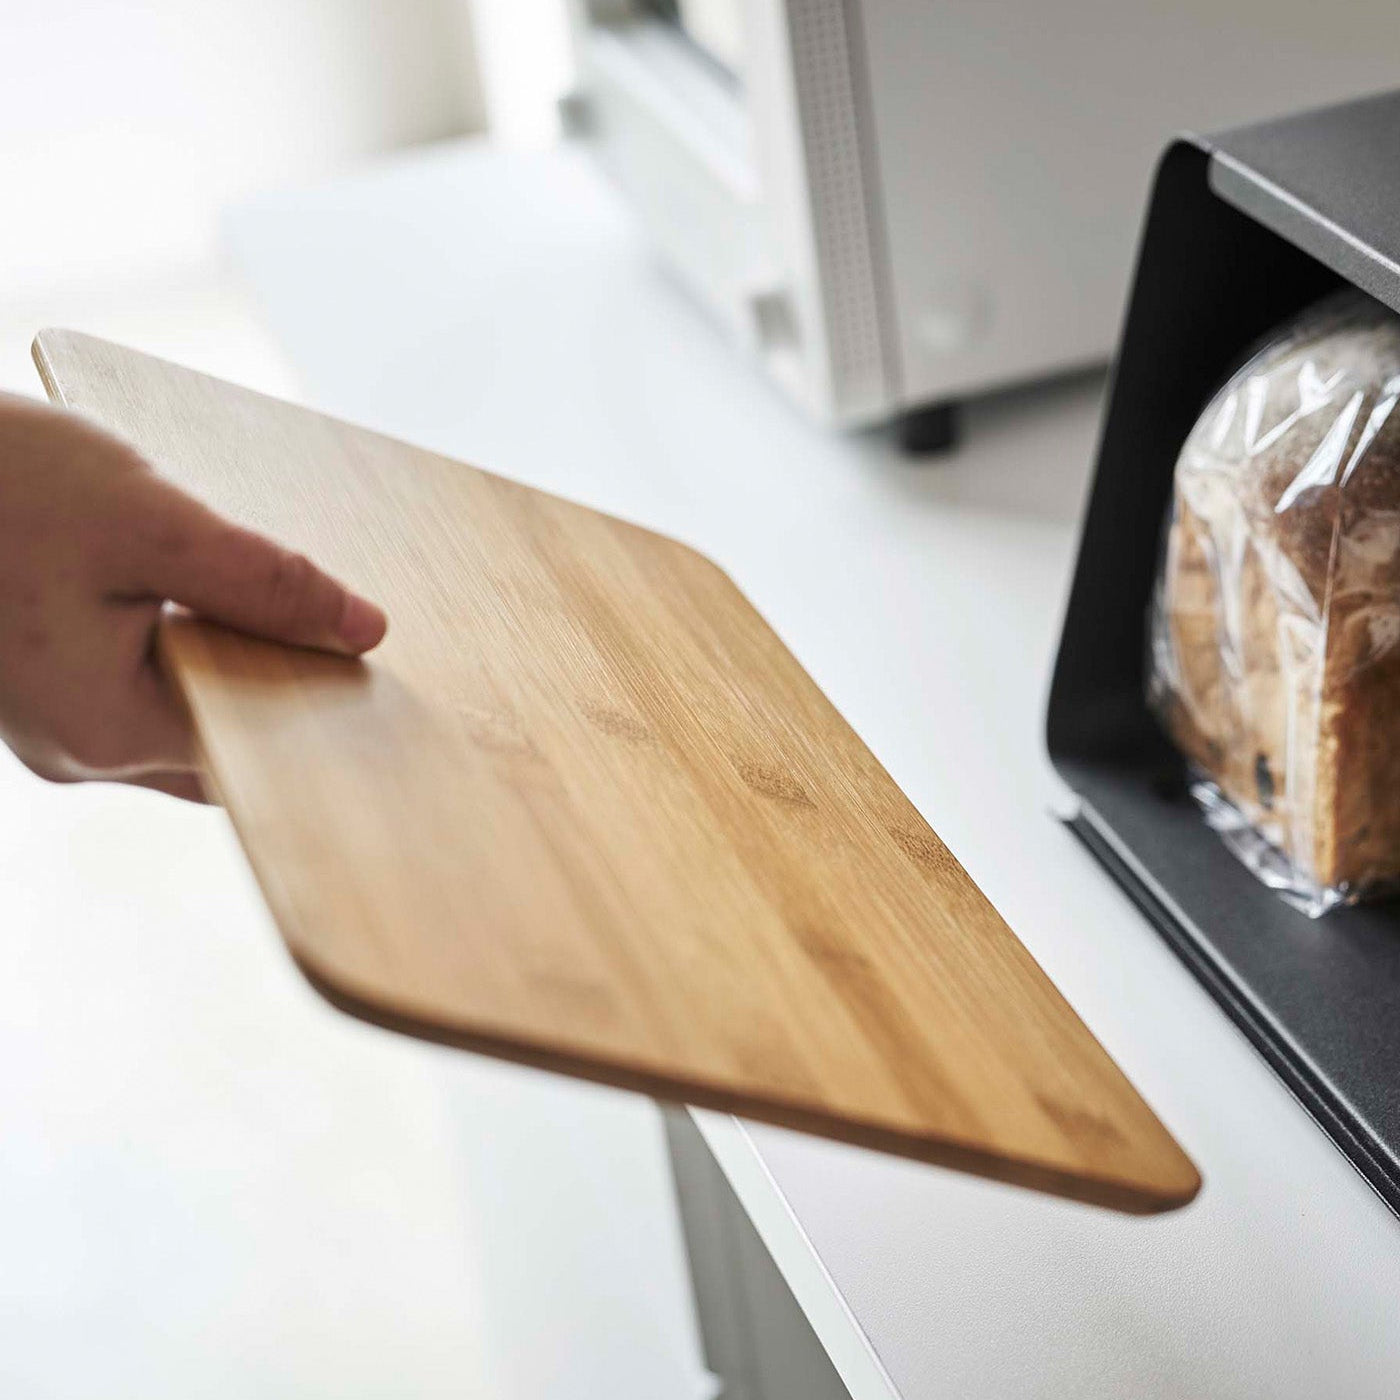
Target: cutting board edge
x=1126, y=1198
x=39, y=353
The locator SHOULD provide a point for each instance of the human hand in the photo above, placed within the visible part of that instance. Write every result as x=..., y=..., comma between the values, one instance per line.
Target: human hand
x=92, y=546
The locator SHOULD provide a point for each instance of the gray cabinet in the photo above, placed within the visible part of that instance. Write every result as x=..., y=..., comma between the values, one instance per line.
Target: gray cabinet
x=755, y=1337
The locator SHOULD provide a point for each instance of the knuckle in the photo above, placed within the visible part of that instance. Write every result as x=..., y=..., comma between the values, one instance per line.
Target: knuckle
x=164, y=536
x=153, y=533
x=104, y=449
x=293, y=594
x=125, y=458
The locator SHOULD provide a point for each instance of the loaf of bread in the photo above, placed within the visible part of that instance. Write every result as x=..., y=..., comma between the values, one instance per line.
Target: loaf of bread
x=1275, y=632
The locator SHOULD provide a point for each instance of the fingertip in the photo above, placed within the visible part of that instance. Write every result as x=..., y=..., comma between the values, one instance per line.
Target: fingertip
x=362, y=624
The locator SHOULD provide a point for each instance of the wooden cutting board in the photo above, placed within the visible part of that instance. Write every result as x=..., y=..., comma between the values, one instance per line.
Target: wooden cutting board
x=584, y=810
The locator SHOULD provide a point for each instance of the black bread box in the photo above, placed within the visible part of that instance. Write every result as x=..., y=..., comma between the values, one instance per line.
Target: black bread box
x=1242, y=230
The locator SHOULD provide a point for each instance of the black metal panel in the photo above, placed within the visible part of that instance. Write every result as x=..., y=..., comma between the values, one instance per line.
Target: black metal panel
x=1319, y=999
x=1241, y=232
x=1328, y=181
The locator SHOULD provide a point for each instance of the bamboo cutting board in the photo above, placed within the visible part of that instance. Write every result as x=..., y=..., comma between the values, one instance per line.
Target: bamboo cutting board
x=584, y=810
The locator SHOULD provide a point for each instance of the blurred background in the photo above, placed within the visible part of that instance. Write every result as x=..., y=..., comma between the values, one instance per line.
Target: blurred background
x=126, y=129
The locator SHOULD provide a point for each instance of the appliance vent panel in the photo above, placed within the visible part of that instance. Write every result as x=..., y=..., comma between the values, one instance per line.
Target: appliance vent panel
x=823, y=59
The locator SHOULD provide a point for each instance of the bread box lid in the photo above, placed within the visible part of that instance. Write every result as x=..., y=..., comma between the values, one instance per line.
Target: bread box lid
x=584, y=810
x=1242, y=231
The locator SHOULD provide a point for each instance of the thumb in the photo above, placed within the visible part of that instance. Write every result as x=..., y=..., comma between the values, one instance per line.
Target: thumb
x=189, y=555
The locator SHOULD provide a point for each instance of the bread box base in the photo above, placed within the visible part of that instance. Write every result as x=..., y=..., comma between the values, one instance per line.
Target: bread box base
x=1319, y=1001
x=1243, y=230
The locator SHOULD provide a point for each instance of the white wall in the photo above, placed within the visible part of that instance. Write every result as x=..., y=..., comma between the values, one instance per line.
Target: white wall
x=126, y=126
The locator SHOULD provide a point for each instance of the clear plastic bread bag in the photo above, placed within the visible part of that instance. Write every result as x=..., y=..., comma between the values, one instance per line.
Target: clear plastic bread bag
x=1274, y=635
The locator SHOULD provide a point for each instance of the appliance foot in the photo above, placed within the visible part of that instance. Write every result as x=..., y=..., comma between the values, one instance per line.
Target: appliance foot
x=932, y=428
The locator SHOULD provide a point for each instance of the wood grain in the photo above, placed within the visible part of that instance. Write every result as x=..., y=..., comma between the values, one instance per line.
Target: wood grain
x=584, y=810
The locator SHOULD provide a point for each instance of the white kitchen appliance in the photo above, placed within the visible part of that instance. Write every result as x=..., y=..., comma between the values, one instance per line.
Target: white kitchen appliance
x=898, y=203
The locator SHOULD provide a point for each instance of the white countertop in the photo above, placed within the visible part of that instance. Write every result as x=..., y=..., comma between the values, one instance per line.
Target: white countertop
x=500, y=308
